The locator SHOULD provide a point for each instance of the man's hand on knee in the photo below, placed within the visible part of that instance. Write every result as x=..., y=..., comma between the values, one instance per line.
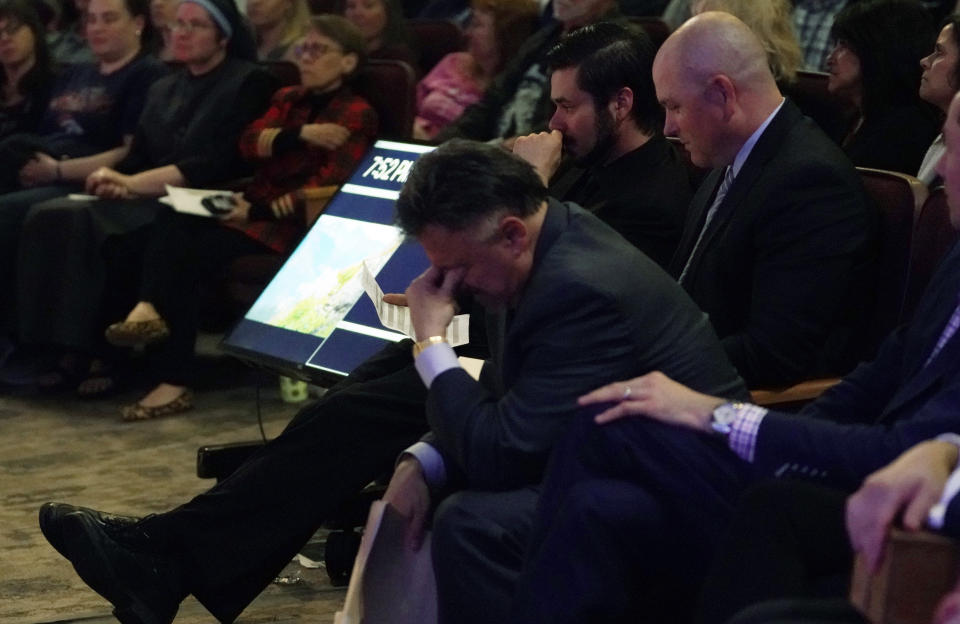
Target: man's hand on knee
x=408, y=494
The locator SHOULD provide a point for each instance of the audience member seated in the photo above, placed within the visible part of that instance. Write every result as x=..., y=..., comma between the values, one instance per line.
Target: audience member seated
x=312, y=136
x=660, y=467
x=938, y=84
x=778, y=246
x=187, y=136
x=163, y=15
x=93, y=109
x=608, y=125
x=486, y=223
x=90, y=121
x=496, y=30
x=812, y=21
x=64, y=24
x=770, y=21
x=875, y=67
x=383, y=27
x=277, y=25
x=518, y=100
x=26, y=71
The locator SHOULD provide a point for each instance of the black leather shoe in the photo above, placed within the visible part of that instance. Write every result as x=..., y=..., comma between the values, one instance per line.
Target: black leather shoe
x=112, y=556
x=52, y=515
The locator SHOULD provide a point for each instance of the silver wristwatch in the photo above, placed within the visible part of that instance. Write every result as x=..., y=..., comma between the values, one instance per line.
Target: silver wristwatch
x=723, y=415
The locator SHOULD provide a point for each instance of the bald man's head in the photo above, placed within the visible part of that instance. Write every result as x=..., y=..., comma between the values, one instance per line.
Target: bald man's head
x=714, y=65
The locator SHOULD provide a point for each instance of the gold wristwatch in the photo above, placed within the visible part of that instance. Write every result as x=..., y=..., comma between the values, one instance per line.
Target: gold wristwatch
x=420, y=345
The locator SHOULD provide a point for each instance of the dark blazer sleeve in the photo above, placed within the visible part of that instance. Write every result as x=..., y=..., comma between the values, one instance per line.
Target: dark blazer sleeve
x=951, y=520
x=577, y=342
x=844, y=454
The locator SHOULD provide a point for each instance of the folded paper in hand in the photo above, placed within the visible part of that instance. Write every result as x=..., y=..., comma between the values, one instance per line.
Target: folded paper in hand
x=397, y=317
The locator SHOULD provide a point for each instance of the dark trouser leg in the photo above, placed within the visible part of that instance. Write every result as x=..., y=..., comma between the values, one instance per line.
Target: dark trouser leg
x=13, y=210
x=787, y=540
x=61, y=267
x=182, y=252
x=477, y=544
x=234, y=538
x=685, y=486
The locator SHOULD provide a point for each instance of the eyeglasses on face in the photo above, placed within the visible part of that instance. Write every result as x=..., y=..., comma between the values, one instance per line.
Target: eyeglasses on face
x=191, y=26
x=314, y=49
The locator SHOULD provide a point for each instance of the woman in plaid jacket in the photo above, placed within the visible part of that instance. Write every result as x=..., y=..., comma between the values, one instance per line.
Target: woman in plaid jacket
x=312, y=136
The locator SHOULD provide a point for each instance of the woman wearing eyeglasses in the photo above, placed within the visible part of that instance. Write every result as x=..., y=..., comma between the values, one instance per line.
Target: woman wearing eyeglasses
x=312, y=136
x=187, y=136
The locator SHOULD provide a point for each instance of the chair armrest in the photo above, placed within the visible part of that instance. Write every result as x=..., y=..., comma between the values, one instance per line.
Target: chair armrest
x=803, y=392
x=917, y=570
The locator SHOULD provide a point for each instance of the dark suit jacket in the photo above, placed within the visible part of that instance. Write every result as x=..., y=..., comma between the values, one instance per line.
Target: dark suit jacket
x=784, y=265
x=594, y=310
x=881, y=409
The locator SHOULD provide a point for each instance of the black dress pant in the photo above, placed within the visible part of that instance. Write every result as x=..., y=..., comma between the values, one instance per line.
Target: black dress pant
x=629, y=515
x=183, y=251
x=232, y=540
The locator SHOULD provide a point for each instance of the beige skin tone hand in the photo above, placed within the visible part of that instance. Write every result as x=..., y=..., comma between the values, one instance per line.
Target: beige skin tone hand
x=324, y=135
x=542, y=150
x=431, y=299
x=909, y=486
x=408, y=494
x=656, y=396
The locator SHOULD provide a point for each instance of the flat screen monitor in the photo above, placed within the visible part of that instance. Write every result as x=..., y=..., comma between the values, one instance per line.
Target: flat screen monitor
x=314, y=321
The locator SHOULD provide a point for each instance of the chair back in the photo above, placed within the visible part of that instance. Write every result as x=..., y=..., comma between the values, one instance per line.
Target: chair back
x=809, y=93
x=434, y=39
x=898, y=198
x=933, y=237
x=390, y=86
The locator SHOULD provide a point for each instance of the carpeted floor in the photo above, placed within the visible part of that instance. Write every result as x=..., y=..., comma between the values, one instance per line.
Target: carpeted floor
x=65, y=449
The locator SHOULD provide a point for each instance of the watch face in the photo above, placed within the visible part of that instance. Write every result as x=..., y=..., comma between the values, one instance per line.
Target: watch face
x=725, y=414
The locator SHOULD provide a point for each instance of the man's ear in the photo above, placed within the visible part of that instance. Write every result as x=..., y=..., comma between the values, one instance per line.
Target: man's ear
x=722, y=93
x=514, y=233
x=621, y=104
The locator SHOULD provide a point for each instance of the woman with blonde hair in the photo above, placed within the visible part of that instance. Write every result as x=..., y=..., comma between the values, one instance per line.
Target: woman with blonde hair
x=277, y=25
x=770, y=21
x=494, y=33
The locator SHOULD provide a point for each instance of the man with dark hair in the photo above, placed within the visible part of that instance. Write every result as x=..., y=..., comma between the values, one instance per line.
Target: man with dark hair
x=618, y=164
x=556, y=326
x=555, y=323
x=517, y=102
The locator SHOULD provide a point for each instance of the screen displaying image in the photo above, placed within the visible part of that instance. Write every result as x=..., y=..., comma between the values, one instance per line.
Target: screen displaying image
x=313, y=320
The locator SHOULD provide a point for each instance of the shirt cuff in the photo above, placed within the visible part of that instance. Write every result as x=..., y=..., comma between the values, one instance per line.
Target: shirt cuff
x=939, y=511
x=744, y=429
x=434, y=472
x=435, y=359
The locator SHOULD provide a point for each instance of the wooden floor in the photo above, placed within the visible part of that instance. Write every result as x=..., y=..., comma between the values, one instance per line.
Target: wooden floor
x=64, y=449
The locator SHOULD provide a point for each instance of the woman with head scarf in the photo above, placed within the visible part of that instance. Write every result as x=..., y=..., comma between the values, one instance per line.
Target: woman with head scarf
x=187, y=136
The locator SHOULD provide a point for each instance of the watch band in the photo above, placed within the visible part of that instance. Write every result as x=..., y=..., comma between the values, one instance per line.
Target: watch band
x=420, y=345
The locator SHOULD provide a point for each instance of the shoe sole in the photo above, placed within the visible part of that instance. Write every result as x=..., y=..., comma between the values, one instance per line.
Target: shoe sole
x=104, y=578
